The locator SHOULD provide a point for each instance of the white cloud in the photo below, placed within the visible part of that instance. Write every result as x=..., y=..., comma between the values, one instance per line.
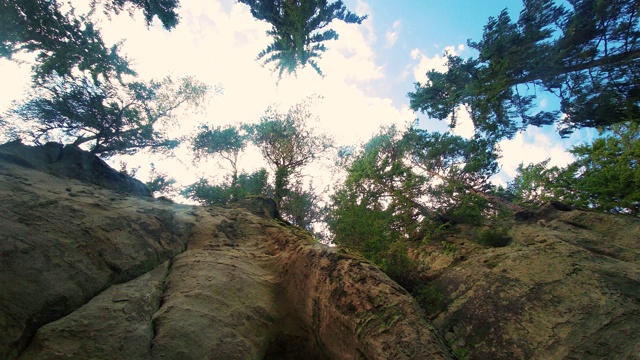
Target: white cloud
x=438, y=62
x=219, y=44
x=15, y=82
x=392, y=34
x=532, y=146
x=362, y=9
x=464, y=124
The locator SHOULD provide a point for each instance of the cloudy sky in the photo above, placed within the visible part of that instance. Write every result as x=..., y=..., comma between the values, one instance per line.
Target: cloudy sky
x=369, y=70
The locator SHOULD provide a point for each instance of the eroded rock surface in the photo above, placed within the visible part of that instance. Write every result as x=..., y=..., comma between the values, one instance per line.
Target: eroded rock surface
x=71, y=162
x=87, y=272
x=567, y=287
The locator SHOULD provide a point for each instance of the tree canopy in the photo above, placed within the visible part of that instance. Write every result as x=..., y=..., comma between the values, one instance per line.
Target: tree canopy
x=288, y=142
x=226, y=142
x=584, y=52
x=225, y=192
x=64, y=42
x=296, y=30
x=111, y=118
x=605, y=175
x=410, y=182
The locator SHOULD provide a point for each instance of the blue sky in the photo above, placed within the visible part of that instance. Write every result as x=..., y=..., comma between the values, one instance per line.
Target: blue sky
x=369, y=70
x=428, y=25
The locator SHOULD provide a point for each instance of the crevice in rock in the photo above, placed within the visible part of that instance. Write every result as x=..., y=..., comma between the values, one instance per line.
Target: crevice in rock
x=159, y=303
x=64, y=309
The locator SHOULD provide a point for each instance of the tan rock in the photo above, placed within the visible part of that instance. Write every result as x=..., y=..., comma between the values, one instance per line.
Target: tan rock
x=89, y=273
x=568, y=290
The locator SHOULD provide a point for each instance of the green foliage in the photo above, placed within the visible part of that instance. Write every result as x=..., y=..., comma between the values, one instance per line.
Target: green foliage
x=361, y=225
x=435, y=232
x=607, y=171
x=225, y=142
x=535, y=184
x=288, y=142
x=380, y=182
x=449, y=248
x=461, y=353
x=129, y=172
x=429, y=297
x=414, y=181
x=165, y=10
x=400, y=267
x=494, y=237
x=296, y=30
x=207, y=194
x=247, y=185
x=585, y=52
x=404, y=188
x=63, y=42
x=301, y=207
x=604, y=177
x=112, y=118
x=160, y=182
x=66, y=42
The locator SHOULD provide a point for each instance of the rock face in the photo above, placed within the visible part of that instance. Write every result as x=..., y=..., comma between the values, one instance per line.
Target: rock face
x=566, y=287
x=71, y=162
x=91, y=273
x=92, y=267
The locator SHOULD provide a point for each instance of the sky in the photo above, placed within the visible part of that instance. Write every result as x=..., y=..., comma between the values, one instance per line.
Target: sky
x=369, y=70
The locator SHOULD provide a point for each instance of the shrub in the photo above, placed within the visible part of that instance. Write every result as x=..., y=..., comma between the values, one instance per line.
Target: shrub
x=494, y=237
x=400, y=267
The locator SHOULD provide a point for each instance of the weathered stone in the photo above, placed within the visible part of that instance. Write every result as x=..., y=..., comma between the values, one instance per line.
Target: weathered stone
x=72, y=162
x=86, y=272
x=567, y=286
x=115, y=324
x=58, y=251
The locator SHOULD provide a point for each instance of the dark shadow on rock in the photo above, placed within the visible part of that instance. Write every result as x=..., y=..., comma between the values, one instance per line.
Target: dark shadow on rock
x=72, y=162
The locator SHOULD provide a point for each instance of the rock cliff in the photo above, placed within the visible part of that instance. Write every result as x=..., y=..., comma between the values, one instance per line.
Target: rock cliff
x=566, y=287
x=89, y=272
x=92, y=267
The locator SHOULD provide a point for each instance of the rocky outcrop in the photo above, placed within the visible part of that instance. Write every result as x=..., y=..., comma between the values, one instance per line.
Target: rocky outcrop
x=566, y=287
x=71, y=162
x=87, y=272
x=91, y=272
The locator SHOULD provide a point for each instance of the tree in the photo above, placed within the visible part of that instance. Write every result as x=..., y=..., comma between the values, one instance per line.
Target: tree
x=303, y=206
x=160, y=182
x=165, y=10
x=226, y=142
x=536, y=184
x=111, y=118
x=587, y=54
x=607, y=171
x=296, y=26
x=410, y=183
x=605, y=175
x=67, y=42
x=288, y=143
x=456, y=168
x=222, y=194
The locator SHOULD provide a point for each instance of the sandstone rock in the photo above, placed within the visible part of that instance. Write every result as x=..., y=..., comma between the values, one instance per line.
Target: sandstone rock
x=566, y=289
x=62, y=242
x=86, y=272
x=71, y=162
x=115, y=324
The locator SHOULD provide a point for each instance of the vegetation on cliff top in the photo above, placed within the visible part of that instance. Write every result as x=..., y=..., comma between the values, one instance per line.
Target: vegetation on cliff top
x=404, y=185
